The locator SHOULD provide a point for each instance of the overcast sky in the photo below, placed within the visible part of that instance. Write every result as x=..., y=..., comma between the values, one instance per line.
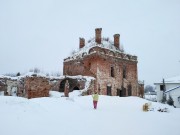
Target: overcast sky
x=41, y=33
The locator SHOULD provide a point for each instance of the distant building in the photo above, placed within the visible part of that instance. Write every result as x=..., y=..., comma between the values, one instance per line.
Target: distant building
x=105, y=60
x=171, y=86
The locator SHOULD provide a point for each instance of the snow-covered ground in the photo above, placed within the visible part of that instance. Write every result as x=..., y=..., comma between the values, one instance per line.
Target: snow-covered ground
x=57, y=115
x=150, y=97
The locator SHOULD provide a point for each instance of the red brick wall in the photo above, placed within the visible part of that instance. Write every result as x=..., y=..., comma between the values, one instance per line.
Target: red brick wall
x=36, y=87
x=99, y=65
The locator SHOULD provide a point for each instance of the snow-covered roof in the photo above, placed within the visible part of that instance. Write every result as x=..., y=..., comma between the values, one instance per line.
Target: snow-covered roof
x=8, y=77
x=105, y=43
x=29, y=74
x=175, y=79
x=172, y=89
x=32, y=74
x=72, y=77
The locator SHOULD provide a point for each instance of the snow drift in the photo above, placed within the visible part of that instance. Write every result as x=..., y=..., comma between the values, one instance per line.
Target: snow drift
x=57, y=115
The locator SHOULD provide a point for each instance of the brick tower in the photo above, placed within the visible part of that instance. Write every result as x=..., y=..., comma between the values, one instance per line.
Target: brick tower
x=115, y=71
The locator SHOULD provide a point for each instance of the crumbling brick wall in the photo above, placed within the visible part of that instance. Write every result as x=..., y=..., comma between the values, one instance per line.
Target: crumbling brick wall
x=3, y=86
x=115, y=71
x=99, y=63
x=37, y=87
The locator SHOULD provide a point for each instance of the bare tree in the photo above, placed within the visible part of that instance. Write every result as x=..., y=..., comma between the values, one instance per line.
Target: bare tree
x=36, y=70
x=148, y=88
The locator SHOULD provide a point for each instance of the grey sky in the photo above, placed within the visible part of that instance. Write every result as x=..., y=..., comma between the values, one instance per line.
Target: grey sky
x=41, y=33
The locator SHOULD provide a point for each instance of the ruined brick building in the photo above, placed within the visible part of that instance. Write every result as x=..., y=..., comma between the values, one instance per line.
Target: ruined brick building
x=34, y=85
x=99, y=65
x=115, y=71
x=28, y=86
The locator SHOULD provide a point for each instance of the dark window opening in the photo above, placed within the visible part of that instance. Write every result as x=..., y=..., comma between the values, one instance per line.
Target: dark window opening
x=112, y=71
x=161, y=87
x=109, y=90
x=122, y=92
x=76, y=88
x=124, y=71
x=118, y=92
x=129, y=90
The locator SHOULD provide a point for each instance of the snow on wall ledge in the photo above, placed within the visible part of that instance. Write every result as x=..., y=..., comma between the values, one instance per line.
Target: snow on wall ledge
x=105, y=44
x=32, y=85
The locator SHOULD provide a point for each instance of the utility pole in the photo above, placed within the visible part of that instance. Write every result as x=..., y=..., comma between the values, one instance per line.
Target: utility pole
x=164, y=86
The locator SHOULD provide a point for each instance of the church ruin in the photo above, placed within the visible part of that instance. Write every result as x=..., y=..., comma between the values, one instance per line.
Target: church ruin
x=115, y=72
x=99, y=65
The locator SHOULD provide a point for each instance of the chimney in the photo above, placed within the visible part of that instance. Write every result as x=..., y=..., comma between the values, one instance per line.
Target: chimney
x=116, y=40
x=81, y=42
x=98, y=35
